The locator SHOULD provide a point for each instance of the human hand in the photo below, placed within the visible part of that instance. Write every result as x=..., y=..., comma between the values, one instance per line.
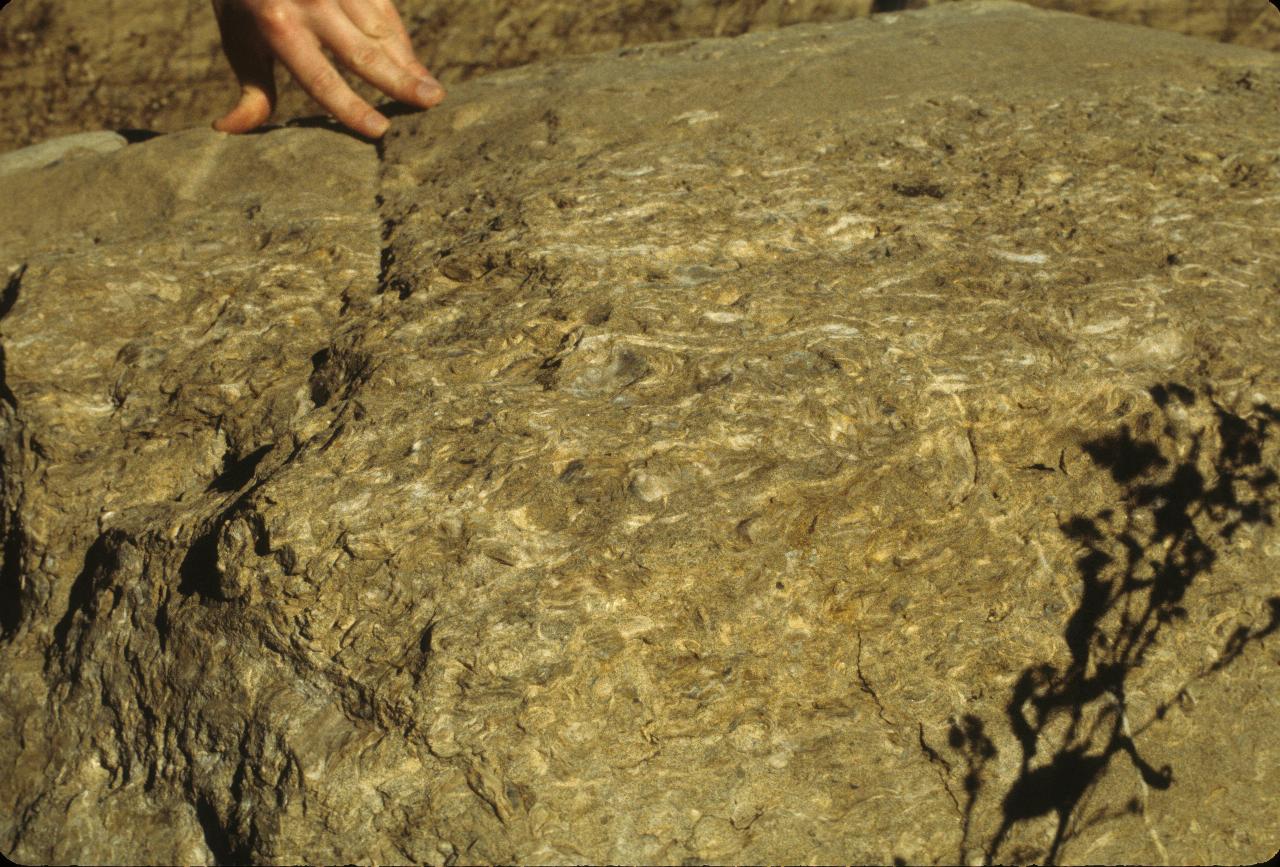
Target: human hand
x=367, y=36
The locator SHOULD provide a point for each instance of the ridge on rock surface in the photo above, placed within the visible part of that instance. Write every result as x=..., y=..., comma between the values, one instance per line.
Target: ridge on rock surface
x=850, y=443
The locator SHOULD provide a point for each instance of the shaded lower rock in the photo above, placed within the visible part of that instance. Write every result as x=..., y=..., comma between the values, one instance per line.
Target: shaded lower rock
x=815, y=445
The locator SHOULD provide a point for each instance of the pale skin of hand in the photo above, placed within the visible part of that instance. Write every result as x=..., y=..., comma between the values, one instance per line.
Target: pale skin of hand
x=366, y=36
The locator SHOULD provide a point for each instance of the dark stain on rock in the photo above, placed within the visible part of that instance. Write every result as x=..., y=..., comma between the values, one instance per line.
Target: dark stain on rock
x=913, y=191
x=574, y=467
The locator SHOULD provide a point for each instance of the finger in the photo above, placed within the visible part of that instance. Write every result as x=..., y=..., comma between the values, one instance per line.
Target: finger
x=251, y=112
x=404, y=50
x=379, y=20
x=373, y=62
x=372, y=17
x=401, y=48
x=299, y=50
x=254, y=68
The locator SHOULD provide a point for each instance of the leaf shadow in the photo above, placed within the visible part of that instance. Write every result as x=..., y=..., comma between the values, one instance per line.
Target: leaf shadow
x=1138, y=563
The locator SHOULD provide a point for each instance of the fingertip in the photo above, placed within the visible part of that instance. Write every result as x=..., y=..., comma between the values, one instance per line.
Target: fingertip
x=226, y=124
x=251, y=112
x=428, y=93
x=376, y=126
x=233, y=123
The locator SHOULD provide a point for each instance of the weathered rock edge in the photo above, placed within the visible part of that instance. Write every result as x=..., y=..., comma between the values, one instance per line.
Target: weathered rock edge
x=888, y=475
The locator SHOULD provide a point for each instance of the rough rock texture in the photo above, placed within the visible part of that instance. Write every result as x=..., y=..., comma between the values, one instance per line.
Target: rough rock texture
x=128, y=64
x=173, y=294
x=840, y=444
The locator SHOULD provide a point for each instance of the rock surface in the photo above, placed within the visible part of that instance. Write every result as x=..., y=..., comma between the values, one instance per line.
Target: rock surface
x=157, y=64
x=844, y=443
x=56, y=150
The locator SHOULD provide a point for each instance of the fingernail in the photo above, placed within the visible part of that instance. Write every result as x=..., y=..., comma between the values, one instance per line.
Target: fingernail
x=428, y=90
x=378, y=127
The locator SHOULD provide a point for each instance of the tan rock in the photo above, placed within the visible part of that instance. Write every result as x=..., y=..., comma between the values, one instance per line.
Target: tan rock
x=155, y=64
x=843, y=443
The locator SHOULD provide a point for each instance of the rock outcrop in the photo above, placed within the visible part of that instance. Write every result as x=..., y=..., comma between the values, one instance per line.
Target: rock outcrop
x=154, y=64
x=845, y=443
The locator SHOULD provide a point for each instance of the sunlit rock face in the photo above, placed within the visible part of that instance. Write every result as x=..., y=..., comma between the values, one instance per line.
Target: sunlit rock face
x=159, y=65
x=840, y=444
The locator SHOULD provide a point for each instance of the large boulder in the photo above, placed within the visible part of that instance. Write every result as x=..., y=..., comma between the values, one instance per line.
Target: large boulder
x=845, y=443
x=157, y=64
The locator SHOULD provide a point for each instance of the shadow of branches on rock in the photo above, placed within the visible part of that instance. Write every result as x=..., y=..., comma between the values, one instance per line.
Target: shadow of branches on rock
x=1138, y=564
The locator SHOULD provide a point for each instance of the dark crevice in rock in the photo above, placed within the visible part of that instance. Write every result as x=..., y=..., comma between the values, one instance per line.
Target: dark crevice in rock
x=6, y=393
x=226, y=850
x=164, y=629
x=11, y=576
x=336, y=370
x=198, y=572
x=102, y=558
x=238, y=473
x=338, y=430
x=261, y=539
x=387, y=258
x=9, y=296
x=137, y=136
x=866, y=687
x=321, y=389
x=387, y=255
x=424, y=641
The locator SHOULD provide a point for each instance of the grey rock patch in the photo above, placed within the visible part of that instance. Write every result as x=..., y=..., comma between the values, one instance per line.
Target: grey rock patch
x=61, y=149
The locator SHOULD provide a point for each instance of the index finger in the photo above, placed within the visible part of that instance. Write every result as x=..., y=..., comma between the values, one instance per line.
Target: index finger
x=381, y=22
x=299, y=50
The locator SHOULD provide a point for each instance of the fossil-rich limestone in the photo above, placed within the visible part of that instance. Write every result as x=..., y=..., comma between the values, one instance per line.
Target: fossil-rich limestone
x=845, y=443
x=156, y=64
